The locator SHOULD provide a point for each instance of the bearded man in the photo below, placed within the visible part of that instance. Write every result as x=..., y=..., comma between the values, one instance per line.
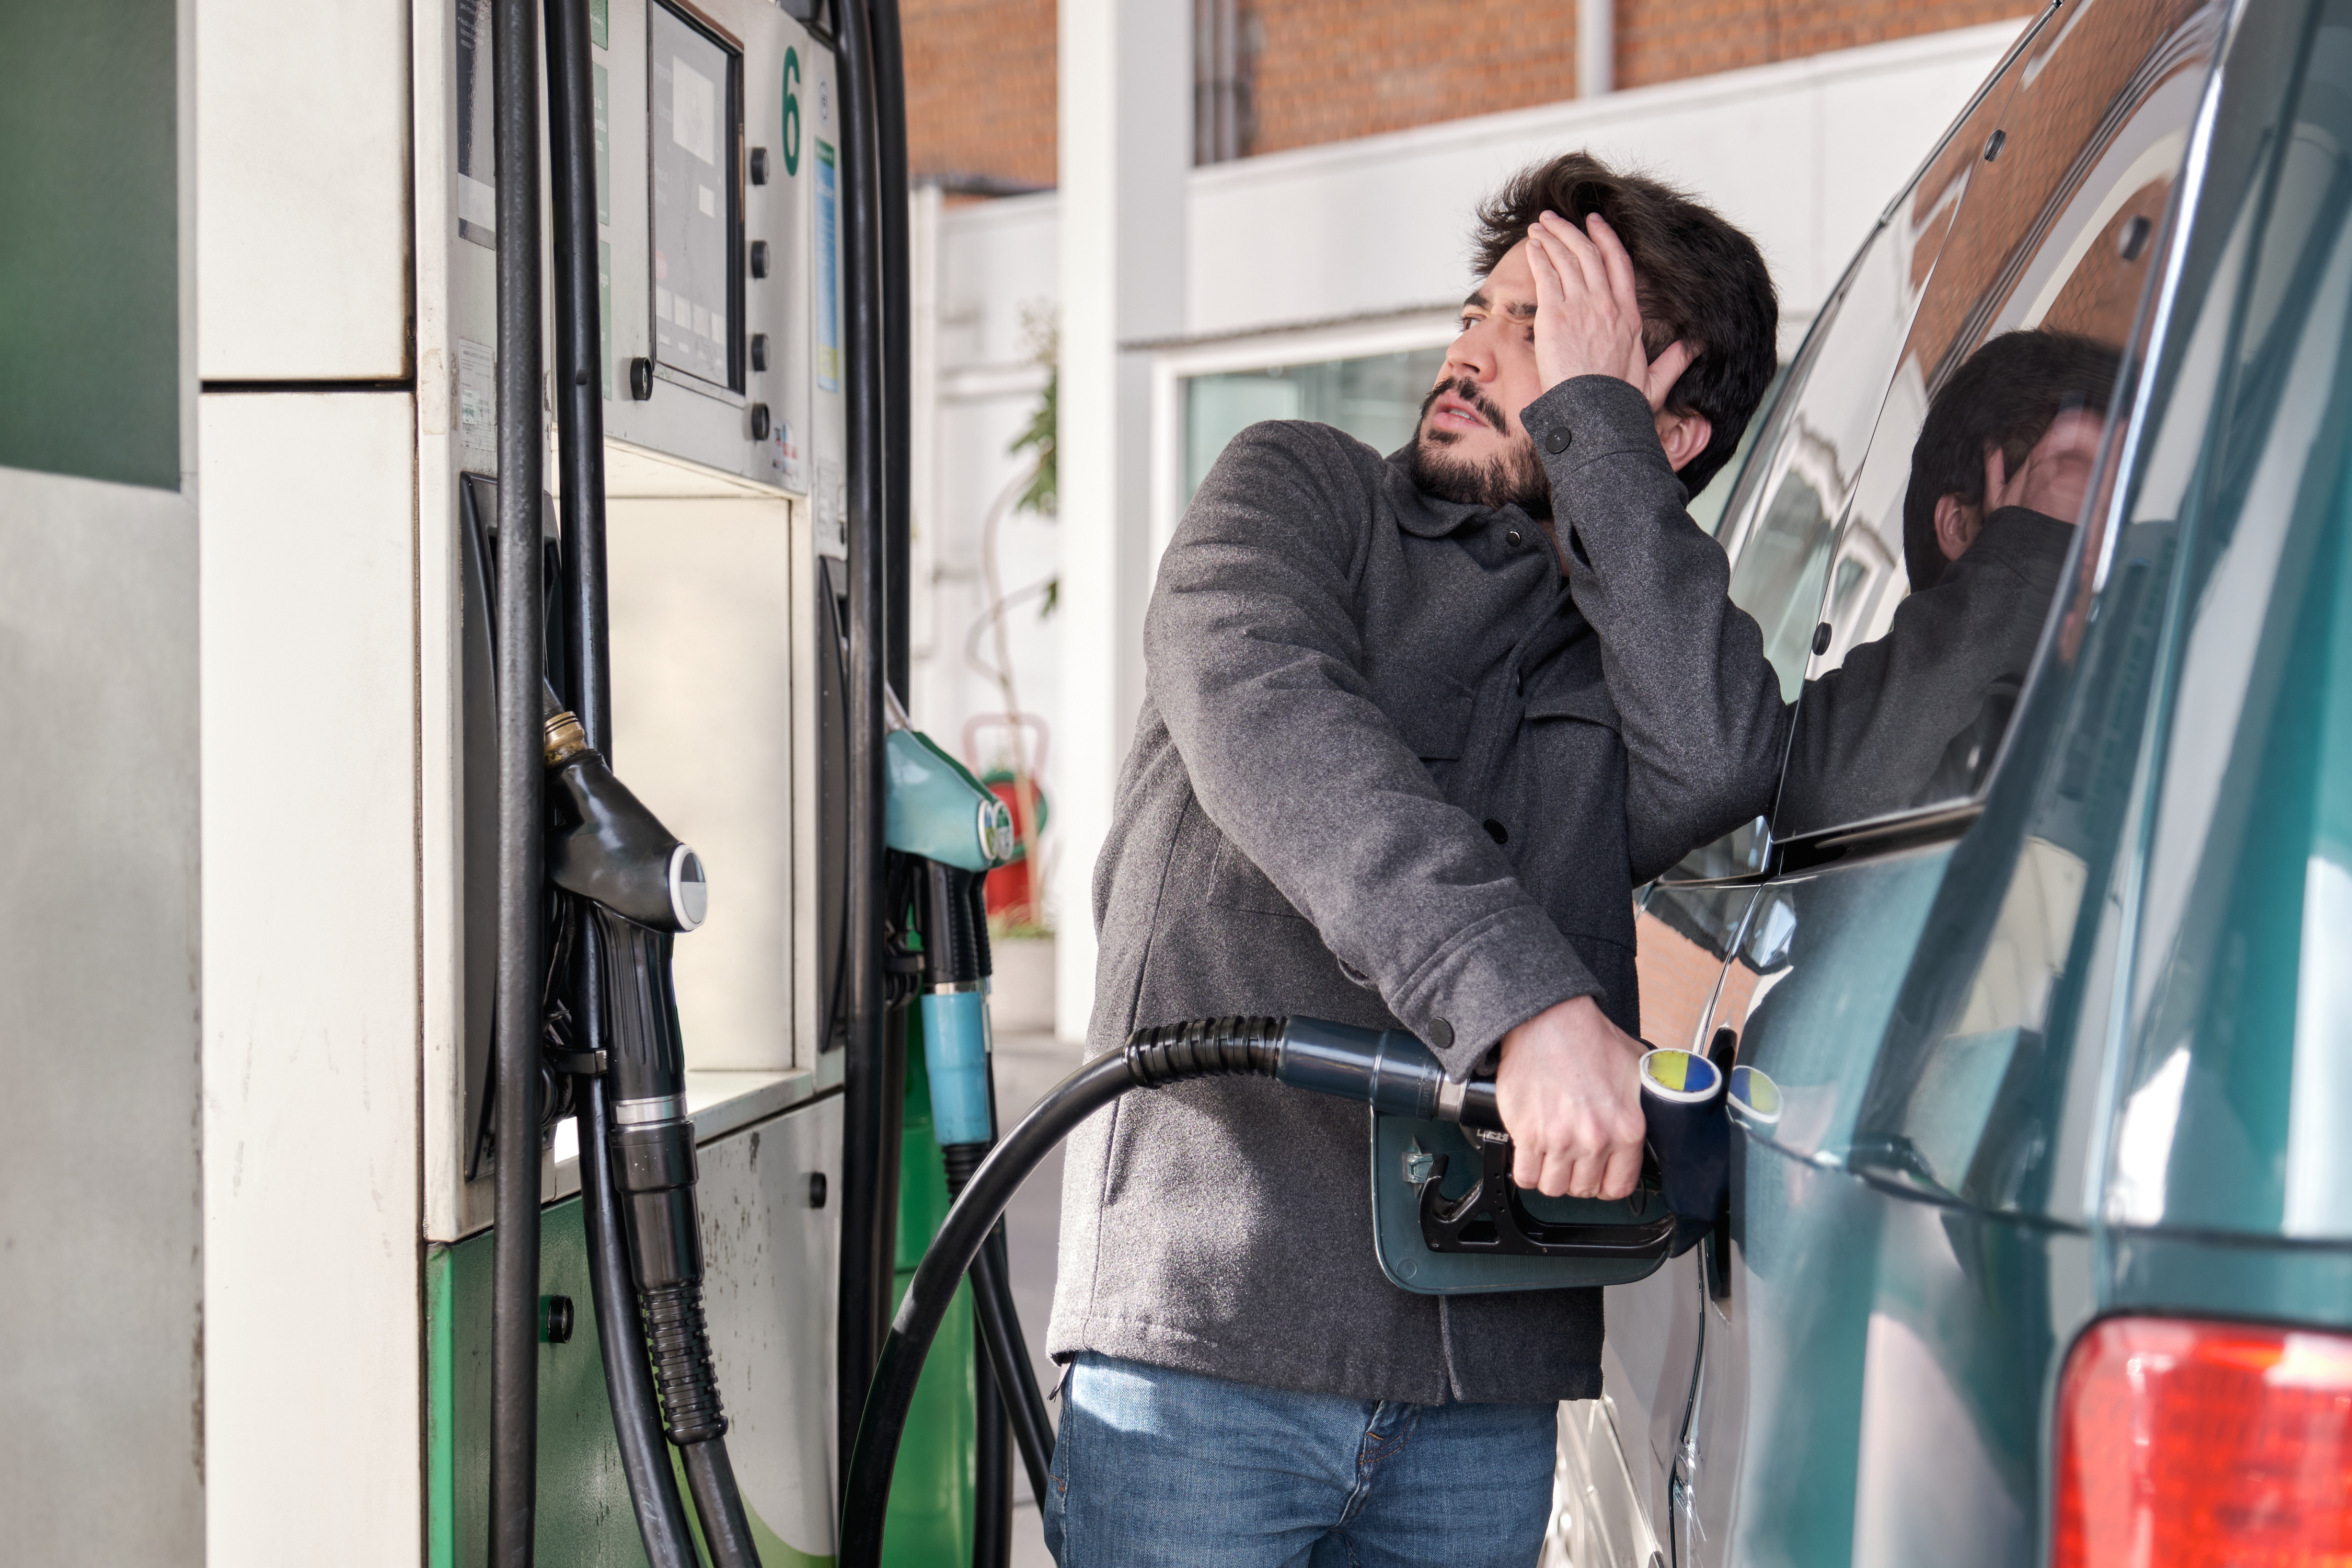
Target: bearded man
x=1414, y=729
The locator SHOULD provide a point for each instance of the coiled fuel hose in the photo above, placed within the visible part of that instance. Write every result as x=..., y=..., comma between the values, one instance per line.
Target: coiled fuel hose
x=1390, y=1070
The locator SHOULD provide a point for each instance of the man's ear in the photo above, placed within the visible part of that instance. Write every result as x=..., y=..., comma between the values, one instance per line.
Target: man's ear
x=1958, y=523
x=1684, y=436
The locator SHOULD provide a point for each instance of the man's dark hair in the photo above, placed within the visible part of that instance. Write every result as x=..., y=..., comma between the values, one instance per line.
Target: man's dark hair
x=1699, y=281
x=2006, y=394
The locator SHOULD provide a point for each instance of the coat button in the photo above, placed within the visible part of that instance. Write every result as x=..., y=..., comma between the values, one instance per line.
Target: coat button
x=1557, y=441
x=1511, y=536
x=1441, y=1033
x=1495, y=831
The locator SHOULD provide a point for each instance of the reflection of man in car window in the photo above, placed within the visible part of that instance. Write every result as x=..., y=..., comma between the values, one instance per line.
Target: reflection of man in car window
x=1998, y=477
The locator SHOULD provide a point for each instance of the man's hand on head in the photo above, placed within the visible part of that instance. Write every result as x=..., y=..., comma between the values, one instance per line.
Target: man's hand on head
x=1568, y=1088
x=2053, y=480
x=2055, y=475
x=1588, y=320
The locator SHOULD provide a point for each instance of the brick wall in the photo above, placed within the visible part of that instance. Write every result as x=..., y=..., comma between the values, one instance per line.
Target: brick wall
x=1665, y=40
x=980, y=88
x=1330, y=70
x=980, y=79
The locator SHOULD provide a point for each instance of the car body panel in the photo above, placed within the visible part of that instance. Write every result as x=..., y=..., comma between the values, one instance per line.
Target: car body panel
x=2078, y=1042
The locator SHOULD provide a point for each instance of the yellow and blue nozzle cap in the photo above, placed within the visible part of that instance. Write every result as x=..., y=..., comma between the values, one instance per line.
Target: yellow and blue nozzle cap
x=1681, y=1077
x=1754, y=1096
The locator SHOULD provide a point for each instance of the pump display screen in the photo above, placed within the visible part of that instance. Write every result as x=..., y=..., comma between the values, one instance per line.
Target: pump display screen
x=697, y=278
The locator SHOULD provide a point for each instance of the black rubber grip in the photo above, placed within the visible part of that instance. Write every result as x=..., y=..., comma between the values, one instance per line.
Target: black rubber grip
x=679, y=1347
x=1205, y=1048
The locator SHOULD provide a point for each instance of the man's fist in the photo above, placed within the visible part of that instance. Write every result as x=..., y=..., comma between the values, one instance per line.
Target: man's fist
x=1568, y=1088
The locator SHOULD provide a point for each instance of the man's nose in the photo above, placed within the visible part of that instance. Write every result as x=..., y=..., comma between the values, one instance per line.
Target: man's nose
x=1472, y=355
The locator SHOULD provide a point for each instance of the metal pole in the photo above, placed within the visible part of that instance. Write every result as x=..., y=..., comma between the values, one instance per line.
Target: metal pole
x=1596, y=48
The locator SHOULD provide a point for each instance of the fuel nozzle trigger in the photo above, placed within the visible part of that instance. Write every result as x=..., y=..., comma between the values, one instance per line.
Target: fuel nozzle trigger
x=1493, y=1218
x=1685, y=1170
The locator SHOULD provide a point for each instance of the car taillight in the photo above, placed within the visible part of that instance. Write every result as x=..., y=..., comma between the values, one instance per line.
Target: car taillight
x=2184, y=1444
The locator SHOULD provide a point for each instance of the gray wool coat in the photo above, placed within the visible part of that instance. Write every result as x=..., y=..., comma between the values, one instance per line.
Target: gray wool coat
x=1390, y=769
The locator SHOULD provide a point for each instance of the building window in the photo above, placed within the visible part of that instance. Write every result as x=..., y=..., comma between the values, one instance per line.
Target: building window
x=1376, y=399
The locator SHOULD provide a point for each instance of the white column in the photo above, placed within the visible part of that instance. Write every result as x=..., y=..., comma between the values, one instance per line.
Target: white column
x=312, y=1270
x=1596, y=46
x=1126, y=145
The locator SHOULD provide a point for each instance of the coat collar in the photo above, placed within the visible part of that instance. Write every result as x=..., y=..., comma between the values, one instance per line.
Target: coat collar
x=1426, y=516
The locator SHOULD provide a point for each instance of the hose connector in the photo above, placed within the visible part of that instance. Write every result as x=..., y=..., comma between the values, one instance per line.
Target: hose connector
x=563, y=738
x=1387, y=1069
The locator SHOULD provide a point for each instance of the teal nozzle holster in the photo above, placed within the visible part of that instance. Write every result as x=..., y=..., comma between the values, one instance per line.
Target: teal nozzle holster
x=934, y=809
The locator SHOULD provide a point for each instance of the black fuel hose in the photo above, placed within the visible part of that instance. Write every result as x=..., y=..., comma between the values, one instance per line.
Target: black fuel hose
x=991, y=1470
x=1007, y=1369
x=865, y=1493
x=1008, y=1364
x=636, y=1422
x=579, y=395
x=514, y=1248
x=873, y=1067
x=1389, y=1070
x=718, y=1502
x=893, y=248
x=992, y=1473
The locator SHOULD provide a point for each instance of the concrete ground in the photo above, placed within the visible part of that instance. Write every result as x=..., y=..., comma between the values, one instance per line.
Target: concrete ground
x=1027, y=1065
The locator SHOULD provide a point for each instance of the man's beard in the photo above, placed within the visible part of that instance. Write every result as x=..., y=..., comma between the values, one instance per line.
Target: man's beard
x=1514, y=478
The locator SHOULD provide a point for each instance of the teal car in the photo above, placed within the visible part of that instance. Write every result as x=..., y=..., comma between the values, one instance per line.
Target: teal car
x=2039, y=1247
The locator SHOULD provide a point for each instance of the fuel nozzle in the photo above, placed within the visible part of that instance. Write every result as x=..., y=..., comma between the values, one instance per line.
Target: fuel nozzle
x=613, y=849
x=1393, y=1072
x=641, y=888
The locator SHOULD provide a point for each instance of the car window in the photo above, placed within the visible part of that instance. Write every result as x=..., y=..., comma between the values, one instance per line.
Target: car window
x=1960, y=519
x=1808, y=450
x=1999, y=1099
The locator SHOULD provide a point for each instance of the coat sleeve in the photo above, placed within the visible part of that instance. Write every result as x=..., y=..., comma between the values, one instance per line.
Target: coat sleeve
x=1254, y=655
x=1699, y=705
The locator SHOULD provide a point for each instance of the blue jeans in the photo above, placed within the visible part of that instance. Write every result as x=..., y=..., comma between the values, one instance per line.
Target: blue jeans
x=1156, y=1466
